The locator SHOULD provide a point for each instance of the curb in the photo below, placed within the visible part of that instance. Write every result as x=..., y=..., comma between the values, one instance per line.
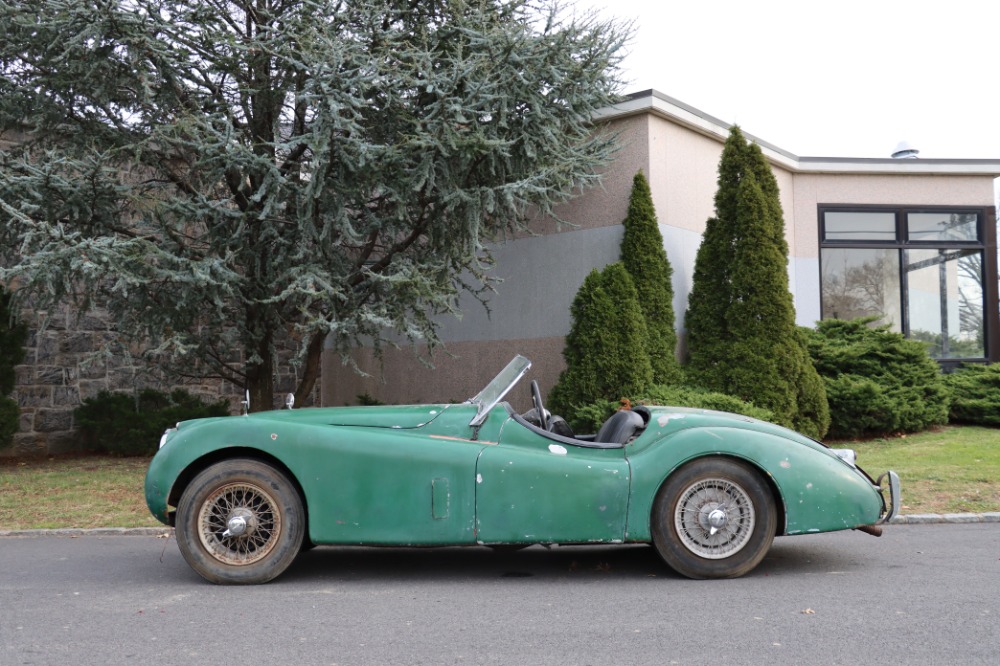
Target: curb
x=958, y=518
x=97, y=531
x=166, y=532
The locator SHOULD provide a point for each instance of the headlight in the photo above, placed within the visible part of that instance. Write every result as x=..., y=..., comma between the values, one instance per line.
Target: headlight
x=849, y=456
x=166, y=435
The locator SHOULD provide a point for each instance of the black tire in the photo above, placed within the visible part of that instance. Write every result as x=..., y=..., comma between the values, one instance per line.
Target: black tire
x=714, y=518
x=258, y=505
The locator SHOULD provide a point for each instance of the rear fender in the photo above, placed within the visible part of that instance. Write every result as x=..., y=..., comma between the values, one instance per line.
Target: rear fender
x=817, y=491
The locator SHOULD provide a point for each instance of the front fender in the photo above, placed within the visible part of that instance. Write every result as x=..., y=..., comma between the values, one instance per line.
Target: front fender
x=818, y=491
x=189, y=442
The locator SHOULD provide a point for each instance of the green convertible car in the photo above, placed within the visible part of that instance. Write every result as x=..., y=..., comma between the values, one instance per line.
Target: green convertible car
x=709, y=490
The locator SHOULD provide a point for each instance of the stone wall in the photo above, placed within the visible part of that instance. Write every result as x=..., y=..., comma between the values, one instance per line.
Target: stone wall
x=69, y=359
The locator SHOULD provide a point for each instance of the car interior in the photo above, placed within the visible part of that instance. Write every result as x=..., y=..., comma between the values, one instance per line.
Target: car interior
x=617, y=431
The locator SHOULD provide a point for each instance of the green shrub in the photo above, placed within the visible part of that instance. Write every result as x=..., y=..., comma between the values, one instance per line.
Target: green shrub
x=590, y=417
x=975, y=394
x=686, y=396
x=9, y=420
x=605, y=350
x=877, y=381
x=128, y=425
x=13, y=335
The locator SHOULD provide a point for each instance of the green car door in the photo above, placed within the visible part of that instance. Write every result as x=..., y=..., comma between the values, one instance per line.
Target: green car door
x=532, y=489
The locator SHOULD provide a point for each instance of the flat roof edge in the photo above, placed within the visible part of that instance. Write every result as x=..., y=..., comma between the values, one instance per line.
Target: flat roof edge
x=656, y=103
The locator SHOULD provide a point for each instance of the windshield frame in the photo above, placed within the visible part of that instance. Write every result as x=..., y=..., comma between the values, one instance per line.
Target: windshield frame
x=498, y=387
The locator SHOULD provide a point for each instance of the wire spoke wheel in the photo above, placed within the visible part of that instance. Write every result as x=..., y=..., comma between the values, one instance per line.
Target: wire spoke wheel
x=240, y=522
x=714, y=518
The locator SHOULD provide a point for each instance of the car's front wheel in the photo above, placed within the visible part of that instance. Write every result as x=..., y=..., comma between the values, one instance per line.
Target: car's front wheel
x=714, y=518
x=240, y=522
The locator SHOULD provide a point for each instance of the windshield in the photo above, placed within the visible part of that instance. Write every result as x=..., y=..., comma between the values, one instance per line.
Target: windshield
x=498, y=388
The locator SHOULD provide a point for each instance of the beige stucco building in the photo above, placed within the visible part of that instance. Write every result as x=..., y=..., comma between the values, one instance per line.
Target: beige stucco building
x=910, y=240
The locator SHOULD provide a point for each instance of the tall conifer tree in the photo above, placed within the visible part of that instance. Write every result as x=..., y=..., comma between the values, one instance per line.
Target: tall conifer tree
x=233, y=178
x=646, y=261
x=742, y=337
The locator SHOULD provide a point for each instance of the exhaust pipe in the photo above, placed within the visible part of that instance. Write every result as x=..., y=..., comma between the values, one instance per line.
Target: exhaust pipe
x=874, y=530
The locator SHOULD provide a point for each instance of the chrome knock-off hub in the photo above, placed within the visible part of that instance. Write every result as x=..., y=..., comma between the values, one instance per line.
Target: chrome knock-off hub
x=240, y=522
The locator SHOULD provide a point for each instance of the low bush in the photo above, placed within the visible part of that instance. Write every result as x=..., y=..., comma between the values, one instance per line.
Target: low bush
x=12, y=338
x=9, y=420
x=975, y=394
x=129, y=425
x=877, y=381
x=589, y=418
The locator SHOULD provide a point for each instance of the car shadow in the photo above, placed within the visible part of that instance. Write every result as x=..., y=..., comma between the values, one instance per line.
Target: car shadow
x=347, y=563
x=788, y=556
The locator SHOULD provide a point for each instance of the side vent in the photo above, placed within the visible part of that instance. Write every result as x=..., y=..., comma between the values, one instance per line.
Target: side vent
x=440, y=498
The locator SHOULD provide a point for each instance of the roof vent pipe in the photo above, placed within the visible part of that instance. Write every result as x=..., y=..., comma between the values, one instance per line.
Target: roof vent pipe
x=905, y=151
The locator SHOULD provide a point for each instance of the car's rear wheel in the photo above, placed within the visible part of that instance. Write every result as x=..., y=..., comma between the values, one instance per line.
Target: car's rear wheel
x=714, y=518
x=240, y=522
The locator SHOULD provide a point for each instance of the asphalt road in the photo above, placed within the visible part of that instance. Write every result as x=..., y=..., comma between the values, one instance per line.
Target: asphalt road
x=922, y=594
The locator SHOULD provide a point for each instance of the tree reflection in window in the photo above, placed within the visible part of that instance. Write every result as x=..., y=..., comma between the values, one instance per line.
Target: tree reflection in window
x=945, y=301
x=861, y=283
x=927, y=282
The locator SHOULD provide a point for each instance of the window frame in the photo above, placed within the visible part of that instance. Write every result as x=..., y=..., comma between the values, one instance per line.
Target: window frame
x=986, y=243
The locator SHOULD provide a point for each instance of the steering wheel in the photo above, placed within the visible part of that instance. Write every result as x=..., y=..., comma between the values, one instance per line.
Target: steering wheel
x=536, y=401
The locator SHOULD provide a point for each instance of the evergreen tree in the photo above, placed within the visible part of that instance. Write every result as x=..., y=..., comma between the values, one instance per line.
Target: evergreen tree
x=228, y=177
x=710, y=296
x=605, y=352
x=742, y=337
x=646, y=261
x=12, y=338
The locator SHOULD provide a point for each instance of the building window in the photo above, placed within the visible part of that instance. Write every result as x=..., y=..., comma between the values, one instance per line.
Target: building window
x=921, y=271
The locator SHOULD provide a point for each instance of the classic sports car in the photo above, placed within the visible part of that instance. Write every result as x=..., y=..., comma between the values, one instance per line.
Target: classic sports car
x=709, y=490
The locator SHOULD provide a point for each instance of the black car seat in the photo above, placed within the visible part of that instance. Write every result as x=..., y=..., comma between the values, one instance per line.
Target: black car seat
x=620, y=428
x=558, y=426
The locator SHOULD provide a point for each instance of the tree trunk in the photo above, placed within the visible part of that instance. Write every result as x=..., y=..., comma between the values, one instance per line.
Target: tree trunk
x=260, y=380
x=314, y=355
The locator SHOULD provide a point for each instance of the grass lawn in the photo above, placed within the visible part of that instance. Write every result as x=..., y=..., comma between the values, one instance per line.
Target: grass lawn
x=77, y=491
x=949, y=470
x=955, y=469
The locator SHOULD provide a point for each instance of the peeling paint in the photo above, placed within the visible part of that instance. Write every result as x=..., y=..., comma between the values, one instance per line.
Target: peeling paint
x=479, y=478
x=667, y=418
x=558, y=449
x=274, y=436
x=785, y=464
